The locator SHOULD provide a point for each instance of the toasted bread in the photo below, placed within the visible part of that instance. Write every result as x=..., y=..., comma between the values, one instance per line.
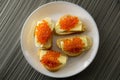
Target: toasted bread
x=47, y=44
x=86, y=40
x=78, y=27
x=62, y=60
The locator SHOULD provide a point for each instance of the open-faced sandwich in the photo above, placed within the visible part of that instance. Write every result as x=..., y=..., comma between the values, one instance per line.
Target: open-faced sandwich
x=43, y=33
x=68, y=24
x=52, y=60
x=74, y=46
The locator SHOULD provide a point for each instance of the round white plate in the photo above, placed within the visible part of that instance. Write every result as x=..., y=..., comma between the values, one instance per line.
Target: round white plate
x=54, y=10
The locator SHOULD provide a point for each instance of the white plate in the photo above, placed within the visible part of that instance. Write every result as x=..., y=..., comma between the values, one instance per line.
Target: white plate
x=55, y=10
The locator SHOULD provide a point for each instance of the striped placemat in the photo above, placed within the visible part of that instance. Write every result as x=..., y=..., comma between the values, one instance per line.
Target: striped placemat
x=106, y=65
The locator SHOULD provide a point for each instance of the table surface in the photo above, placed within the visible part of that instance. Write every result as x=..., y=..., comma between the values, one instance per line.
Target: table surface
x=13, y=65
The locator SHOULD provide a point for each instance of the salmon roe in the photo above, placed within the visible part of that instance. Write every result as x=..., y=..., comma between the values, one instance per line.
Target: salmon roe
x=50, y=59
x=74, y=45
x=68, y=22
x=43, y=32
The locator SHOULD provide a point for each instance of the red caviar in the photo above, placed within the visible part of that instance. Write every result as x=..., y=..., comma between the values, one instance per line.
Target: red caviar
x=43, y=32
x=74, y=46
x=68, y=22
x=50, y=59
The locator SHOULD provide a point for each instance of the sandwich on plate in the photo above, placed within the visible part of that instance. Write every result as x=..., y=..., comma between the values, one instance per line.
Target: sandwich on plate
x=69, y=24
x=74, y=46
x=43, y=33
x=52, y=60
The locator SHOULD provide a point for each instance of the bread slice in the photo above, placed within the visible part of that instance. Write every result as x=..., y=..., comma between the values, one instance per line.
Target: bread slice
x=47, y=45
x=85, y=39
x=62, y=60
x=79, y=27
